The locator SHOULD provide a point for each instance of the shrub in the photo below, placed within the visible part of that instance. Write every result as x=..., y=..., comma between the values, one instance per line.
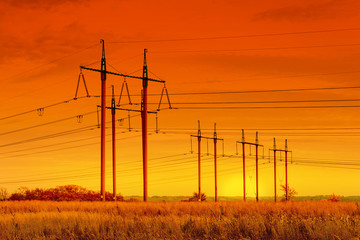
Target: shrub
x=3, y=194
x=291, y=193
x=61, y=193
x=195, y=197
x=334, y=198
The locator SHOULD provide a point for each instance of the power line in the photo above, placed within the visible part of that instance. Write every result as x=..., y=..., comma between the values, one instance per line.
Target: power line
x=70, y=176
x=212, y=93
x=299, y=76
x=238, y=36
x=247, y=91
x=37, y=109
x=64, y=148
x=315, y=165
x=259, y=49
x=63, y=133
x=256, y=102
x=207, y=159
x=270, y=107
x=50, y=62
x=45, y=124
x=94, y=174
x=81, y=170
x=264, y=129
x=263, y=91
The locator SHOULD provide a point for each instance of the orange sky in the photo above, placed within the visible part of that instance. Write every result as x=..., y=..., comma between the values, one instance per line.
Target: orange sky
x=43, y=43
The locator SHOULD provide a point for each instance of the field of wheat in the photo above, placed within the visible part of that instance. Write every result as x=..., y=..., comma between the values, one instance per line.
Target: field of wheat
x=179, y=220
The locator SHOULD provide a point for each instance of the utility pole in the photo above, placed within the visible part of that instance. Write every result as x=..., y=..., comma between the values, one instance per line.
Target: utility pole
x=103, y=106
x=113, y=142
x=144, y=125
x=199, y=160
x=243, y=150
x=256, y=144
x=144, y=111
x=286, y=172
x=215, y=162
x=286, y=168
x=274, y=170
x=257, y=165
x=215, y=138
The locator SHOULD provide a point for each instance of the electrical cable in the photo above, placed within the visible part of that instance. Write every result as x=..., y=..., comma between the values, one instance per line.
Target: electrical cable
x=239, y=36
x=259, y=49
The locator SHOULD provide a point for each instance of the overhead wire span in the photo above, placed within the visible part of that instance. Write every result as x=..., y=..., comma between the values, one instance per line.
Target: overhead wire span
x=181, y=179
x=79, y=176
x=257, y=102
x=268, y=129
x=246, y=91
x=239, y=36
x=264, y=91
x=51, y=145
x=316, y=165
x=269, y=107
x=294, y=76
x=63, y=133
x=64, y=148
x=47, y=123
x=125, y=170
x=260, y=49
x=50, y=62
x=42, y=108
x=89, y=168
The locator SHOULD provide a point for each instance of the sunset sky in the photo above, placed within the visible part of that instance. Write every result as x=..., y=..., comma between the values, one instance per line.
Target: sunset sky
x=196, y=47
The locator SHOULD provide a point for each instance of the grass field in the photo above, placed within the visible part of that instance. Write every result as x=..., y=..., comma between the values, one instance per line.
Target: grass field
x=179, y=220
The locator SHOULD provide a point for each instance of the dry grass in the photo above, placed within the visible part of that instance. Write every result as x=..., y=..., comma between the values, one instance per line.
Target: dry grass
x=192, y=220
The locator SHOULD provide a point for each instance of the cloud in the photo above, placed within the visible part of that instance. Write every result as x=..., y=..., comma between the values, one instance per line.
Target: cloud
x=314, y=11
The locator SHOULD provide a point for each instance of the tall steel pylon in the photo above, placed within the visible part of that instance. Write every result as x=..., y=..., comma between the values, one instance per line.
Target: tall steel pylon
x=144, y=112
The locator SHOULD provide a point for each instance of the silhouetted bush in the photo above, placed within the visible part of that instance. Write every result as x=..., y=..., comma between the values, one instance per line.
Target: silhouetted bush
x=334, y=198
x=195, y=197
x=61, y=193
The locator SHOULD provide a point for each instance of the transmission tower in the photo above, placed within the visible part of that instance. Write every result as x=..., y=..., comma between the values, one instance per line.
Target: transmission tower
x=286, y=169
x=145, y=79
x=257, y=145
x=215, y=139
